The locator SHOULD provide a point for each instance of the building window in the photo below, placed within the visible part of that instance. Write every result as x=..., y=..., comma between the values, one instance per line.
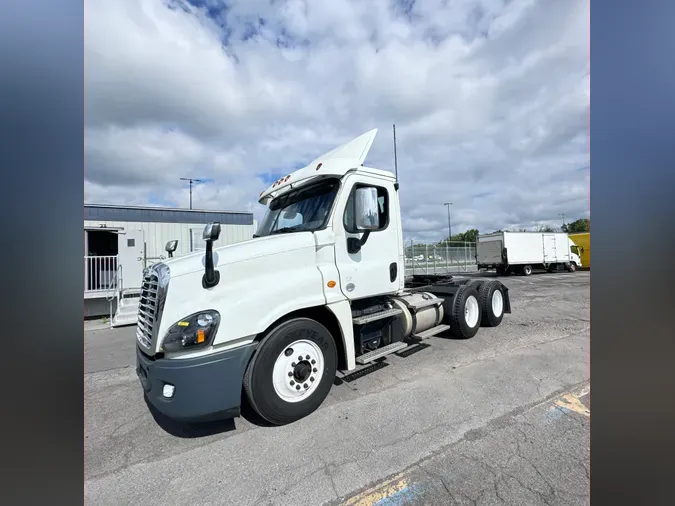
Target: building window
x=197, y=242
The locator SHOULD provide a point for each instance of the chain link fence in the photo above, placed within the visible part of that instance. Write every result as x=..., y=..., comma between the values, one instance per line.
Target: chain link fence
x=445, y=258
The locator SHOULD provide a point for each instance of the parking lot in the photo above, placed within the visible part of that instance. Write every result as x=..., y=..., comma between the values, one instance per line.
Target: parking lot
x=502, y=418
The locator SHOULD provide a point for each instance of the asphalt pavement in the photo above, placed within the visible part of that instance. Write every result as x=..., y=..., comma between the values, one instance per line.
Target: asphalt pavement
x=502, y=418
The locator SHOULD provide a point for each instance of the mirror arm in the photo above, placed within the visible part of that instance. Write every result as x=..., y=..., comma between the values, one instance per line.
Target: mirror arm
x=211, y=276
x=354, y=245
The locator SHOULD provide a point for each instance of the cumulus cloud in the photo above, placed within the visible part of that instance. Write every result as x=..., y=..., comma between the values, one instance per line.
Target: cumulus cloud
x=490, y=100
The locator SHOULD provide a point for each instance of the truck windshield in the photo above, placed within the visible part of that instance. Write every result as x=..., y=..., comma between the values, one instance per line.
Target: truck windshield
x=301, y=210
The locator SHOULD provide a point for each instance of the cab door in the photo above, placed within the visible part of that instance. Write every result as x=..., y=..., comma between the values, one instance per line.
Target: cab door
x=372, y=267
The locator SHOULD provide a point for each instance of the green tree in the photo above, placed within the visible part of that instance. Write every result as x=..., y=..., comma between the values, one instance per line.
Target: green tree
x=468, y=236
x=545, y=228
x=580, y=225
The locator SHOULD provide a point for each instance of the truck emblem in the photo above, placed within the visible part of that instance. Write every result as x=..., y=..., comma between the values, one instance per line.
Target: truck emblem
x=350, y=287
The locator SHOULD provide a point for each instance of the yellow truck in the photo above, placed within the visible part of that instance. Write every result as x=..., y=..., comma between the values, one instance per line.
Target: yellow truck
x=583, y=242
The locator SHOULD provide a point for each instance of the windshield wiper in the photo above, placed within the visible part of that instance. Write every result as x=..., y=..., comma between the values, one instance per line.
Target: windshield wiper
x=285, y=230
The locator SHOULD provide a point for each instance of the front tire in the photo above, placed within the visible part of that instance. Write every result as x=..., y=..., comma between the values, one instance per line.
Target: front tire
x=572, y=267
x=281, y=383
x=527, y=270
x=465, y=319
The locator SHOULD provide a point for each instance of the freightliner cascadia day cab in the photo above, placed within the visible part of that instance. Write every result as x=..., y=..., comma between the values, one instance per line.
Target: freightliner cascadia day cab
x=521, y=252
x=319, y=289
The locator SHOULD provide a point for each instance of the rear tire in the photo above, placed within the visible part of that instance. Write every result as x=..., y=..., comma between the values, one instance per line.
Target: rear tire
x=491, y=298
x=465, y=319
x=280, y=365
x=527, y=270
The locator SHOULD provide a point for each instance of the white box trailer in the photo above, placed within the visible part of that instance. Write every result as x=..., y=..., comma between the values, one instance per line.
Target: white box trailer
x=521, y=252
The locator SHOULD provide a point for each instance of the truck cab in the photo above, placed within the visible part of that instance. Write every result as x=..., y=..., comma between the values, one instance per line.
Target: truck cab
x=320, y=287
x=576, y=252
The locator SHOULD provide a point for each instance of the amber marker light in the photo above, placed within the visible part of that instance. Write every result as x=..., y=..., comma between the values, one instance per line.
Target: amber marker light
x=201, y=336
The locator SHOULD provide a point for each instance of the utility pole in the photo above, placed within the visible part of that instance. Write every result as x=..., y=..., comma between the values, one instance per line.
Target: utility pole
x=191, y=180
x=448, y=204
x=563, y=220
x=395, y=159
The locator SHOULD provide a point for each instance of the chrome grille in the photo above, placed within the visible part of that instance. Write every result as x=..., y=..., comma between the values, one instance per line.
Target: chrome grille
x=151, y=303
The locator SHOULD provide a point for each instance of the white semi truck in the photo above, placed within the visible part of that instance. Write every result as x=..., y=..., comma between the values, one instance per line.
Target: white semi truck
x=319, y=289
x=522, y=252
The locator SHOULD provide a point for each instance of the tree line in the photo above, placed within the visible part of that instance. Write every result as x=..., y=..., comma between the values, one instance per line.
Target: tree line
x=574, y=227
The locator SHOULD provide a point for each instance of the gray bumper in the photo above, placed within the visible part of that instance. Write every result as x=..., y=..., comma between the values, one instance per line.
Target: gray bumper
x=207, y=387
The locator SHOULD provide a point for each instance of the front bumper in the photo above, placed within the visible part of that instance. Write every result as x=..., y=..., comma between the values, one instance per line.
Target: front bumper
x=206, y=387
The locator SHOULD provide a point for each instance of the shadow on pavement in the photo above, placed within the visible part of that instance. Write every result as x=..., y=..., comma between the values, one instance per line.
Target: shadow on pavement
x=249, y=414
x=190, y=430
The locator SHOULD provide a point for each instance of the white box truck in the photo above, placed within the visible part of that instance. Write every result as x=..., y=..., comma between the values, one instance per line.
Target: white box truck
x=320, y=288
x=521, y=252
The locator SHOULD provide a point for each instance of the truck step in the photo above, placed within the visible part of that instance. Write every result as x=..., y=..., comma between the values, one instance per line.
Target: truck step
x=381, y=352
x=122, y=320
x=432, y=331
x=364, y=371
x=376, y=316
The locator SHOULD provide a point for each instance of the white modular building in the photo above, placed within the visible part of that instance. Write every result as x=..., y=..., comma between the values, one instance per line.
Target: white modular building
x=120, y=241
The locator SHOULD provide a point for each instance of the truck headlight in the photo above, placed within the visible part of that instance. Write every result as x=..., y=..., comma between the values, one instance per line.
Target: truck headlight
x=194, y=331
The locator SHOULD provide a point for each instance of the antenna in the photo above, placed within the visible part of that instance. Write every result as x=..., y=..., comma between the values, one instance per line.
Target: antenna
x=395, y=159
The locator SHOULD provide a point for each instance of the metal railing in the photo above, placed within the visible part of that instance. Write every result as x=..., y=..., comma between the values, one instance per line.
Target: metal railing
x=444, y=258
x=148, y=261
x=100, y=273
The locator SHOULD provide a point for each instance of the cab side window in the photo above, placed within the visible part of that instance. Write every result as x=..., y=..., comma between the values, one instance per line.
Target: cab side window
x=383, y=209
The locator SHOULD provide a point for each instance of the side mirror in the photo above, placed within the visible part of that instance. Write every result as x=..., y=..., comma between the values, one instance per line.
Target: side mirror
x=366, y=209
x=366, y=217
x=171, y=247
x=211, y=275
x=211, y=231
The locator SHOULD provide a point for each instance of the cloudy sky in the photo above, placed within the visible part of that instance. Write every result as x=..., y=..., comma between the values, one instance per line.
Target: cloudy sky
x=490, y=99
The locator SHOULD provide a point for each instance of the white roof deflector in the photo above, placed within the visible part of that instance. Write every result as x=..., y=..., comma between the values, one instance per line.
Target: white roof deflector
x=355, y=150
x=335, y=162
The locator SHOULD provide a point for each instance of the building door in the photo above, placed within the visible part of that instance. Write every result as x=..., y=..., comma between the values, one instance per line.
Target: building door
x=131, y=246
x=100, y=259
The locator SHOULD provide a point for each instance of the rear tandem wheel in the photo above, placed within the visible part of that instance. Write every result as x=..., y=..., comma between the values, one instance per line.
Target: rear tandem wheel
x=491, y=297
x=465, y=318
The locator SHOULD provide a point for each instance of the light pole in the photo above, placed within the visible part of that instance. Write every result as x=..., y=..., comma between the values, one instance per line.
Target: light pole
x=191, y=181
x=448, y=204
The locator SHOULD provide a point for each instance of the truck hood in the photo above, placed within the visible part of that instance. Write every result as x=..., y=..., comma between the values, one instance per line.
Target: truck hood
x=241, y=251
